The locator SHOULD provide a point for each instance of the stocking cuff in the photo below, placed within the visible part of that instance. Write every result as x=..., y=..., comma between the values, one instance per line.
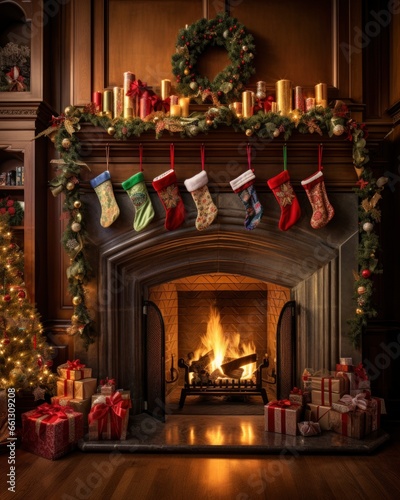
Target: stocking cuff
x=164, y=180
x=197, y=181
x=311, y=181
x=132, y=181
x=279, y=179
x=243, y=181
x=103, y=177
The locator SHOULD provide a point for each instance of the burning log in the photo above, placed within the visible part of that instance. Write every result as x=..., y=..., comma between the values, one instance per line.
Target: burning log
x=237, y=363
x=202, y=363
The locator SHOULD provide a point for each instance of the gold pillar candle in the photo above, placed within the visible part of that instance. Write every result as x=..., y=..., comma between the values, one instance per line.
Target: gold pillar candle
x=165, y=89
x=321, y=93
x=184, y=104
x=284, y=96
x=247, y=103
x=175, y=110
x=129, y=105
x=107, y=102
x=173, y=99
x=274, y=107
x=118, y=102
x=237, y=107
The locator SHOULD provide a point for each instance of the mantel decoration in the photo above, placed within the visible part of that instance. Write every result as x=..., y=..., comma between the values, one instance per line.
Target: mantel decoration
x=264, y=121
x=15, y=67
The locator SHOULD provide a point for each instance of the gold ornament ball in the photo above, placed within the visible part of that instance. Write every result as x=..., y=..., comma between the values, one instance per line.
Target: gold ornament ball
x=78, y=217
x=74, y=318
x=276, y=132
x=186, y=71
x=193, y=85
x=368, y=227
x=209, y=121
x=76, y=300
x=361, y=290
x=359, y=311
x=249, y=132
x=76, y=227
x=111, y=130
x=66, y=143
x=69, y=110
x=338, y=130
x=77, y=204
x=70, y=186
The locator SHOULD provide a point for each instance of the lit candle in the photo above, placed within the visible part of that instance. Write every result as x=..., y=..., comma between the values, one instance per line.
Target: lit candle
x=184, y=104
x=165, y=89
x=175, y=110
x=284, y=96
x=247, y=103
x=98, y=100
x=107, y=103
x=129, y=77
x=321, y=93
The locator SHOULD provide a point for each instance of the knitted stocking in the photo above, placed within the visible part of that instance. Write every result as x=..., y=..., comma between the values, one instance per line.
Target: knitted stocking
x=137, y=191
x=168, y=192
x=206, y=210
x=286, y=197
x=104, y=190
x=244, y=187
x=316, y=192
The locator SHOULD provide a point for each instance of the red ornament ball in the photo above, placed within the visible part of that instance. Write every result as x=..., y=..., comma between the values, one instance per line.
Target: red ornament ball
x=366, y=273
x=7, y=298
x=5, y=341
x=21, y=294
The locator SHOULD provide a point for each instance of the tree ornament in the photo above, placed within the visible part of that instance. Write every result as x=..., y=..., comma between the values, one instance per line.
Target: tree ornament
x=338, y=130
x=213, y=32
x=77, y=204
x=76, y=300
x=193, y=86
x=276, y=132
x=209, y=121
x=5, y=340
x=69, y=110
x=21, y=294
x=366, y=273
x=249, y=132
x=368, y=227
x=359, y=311
x=66, y=143
x=7, y=297
x=76, y=227
x=361, y=290
x=361, y=301
x=70, y=186
x=111, y=130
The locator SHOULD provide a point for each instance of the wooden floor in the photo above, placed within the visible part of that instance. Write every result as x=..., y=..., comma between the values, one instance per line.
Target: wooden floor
x=116, y=476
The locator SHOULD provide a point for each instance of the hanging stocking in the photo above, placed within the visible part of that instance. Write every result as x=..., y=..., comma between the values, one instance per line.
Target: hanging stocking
x=316, y=193
x=104, y=190
x=168, y=192
x=244, y=187
x=136, y=188
x=197, y=186
x=285, y=196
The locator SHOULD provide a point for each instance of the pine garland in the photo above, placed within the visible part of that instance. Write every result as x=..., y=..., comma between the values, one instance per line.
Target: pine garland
x=262, y=124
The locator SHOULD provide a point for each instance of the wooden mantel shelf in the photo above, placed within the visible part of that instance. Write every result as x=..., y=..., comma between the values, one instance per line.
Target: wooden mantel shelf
x=226, y=156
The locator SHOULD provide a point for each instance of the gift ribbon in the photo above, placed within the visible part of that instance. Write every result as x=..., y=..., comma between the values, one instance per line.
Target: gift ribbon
x=75, y=365
x=360, y=372
x=50, y=414
x=281, y=405
x=358, y=401
x=115, y=407
x=108, y=381
x=329, y=379
x=296, y=390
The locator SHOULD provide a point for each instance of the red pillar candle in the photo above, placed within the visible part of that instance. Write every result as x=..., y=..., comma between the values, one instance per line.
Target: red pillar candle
x=98, y=101
x=145, y=105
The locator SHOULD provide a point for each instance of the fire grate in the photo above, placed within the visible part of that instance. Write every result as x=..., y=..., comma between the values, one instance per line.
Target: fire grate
x=223, y=387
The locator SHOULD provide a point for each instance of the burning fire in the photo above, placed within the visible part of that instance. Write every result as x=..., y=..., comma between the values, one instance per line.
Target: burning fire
x=224, y=349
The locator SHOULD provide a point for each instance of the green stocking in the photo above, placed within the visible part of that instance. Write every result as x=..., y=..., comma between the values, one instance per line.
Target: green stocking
x=137, y=191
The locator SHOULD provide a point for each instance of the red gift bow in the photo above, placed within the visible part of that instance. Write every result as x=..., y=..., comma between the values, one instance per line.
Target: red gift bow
x=114, y=406
x=358, y=401
x=108, y=381
x=75, y=365
x=281, y=403
x=296, y=390
x=360, y=372
x=52, y=413
x=137, y=88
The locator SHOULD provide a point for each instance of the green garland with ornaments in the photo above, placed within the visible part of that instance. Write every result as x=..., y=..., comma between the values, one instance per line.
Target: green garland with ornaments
x=227, y=87
x=322, y=121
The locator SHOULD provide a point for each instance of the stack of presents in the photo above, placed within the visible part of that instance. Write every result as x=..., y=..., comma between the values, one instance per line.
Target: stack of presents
x=338, y=401
x=80, y=407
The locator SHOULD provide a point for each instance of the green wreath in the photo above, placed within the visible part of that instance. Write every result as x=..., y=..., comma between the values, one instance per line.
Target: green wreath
x=223, y=31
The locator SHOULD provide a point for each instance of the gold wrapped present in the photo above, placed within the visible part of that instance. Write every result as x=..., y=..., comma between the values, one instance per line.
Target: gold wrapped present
x=351, y=424
x=74, y=370
x=84, y=388
x=65, y=388
x=318, y=413
x=324, y=398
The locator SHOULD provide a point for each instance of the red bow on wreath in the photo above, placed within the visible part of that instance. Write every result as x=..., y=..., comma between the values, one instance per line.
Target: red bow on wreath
x=15, y=80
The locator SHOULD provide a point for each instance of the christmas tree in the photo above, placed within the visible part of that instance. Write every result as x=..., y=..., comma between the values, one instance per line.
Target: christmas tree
x=25, y=356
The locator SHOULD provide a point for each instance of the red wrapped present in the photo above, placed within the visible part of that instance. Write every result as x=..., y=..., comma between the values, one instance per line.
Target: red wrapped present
x=84, y=388
x=351, y=424
x=109, y=416
x=65, y=388
x=51, y=431
x=74, y=370
x=282, y=417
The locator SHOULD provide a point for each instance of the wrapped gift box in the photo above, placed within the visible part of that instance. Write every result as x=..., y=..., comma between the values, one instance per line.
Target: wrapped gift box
x=84, y=388
x=282, y=417
x=74, y=370
x=299, y=397
x=318, y=413
x=324, y=398
x=350, y=403
x=351, y=424
x=344, y=368
x=109, y=416
x=65, y=388
x=330, y=384
x=51, y=431
x=79, y=405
